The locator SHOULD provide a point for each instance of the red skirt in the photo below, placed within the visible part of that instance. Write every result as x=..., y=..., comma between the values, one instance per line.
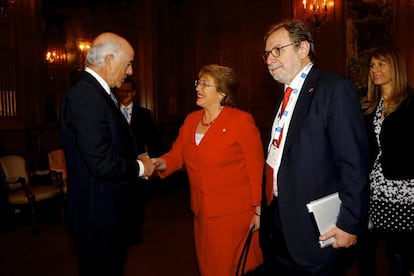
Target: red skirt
x=219, y=242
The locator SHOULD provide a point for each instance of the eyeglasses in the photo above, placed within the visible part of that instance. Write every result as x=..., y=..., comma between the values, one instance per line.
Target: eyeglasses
x=203, y=84
x=275, y=51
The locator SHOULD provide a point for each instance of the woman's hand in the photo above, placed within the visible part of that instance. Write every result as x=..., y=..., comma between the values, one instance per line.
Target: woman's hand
x=159, y=163
x=256, y=219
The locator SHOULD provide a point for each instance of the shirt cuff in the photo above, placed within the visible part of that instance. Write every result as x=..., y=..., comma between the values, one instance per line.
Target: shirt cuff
x=141, y=168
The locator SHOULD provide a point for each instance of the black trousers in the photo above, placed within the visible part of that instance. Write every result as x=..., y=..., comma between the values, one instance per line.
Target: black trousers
x=134, y=212
x=277, y=260
x=97, y=258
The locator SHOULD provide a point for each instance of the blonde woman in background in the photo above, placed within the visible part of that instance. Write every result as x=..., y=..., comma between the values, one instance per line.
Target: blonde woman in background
x=389, y=113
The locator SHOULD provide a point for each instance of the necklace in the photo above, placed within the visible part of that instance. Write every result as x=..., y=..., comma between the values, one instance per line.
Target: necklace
x=207, y=124
x=212, y=121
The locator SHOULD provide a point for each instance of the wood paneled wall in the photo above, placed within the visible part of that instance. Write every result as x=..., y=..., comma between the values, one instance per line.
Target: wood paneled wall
x=173, y=39
x=230, y=33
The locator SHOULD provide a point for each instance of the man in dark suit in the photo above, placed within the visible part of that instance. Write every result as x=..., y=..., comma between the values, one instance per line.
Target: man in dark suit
x=139, y=118
x=102, y=158
x=318, y=147
x=148, y=142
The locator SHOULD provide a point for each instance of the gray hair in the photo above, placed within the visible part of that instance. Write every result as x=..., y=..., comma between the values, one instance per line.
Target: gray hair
x=97, y=53
x=298, y=32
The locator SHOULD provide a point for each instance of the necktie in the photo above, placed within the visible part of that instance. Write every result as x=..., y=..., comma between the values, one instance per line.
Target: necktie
x=286, y=97
x=126, y=113
x=268, y=169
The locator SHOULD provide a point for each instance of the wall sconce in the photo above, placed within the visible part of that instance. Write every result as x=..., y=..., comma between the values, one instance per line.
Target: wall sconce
x=316, y=12
x=54, y=57
x=83, y=46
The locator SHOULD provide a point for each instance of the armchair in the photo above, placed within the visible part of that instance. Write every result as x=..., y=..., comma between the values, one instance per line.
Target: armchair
x=20, y=193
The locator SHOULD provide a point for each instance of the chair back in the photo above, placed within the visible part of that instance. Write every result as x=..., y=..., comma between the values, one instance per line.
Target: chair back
x=57, y=162
x=14, y=167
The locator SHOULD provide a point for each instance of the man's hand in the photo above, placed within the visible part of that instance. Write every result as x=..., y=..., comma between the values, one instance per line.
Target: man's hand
x=148, y=166
x=342, y=238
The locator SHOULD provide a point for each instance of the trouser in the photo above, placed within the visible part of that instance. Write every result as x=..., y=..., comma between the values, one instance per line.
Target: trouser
x=95, y=258
x=277, y=260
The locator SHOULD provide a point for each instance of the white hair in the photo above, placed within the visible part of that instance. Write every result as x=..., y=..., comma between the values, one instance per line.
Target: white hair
x=97, y=53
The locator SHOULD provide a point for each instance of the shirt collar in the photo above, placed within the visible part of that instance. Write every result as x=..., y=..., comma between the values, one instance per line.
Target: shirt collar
x=130, y=105
x=101, y=81
x=297, y=82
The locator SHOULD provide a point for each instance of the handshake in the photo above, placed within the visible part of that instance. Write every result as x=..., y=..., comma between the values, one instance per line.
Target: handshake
x=151, y=164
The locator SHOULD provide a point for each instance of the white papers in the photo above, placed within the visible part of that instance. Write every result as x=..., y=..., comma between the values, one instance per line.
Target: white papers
x=325, y=212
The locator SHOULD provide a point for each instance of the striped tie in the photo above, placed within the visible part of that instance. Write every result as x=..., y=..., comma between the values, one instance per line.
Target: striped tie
x=126, y=112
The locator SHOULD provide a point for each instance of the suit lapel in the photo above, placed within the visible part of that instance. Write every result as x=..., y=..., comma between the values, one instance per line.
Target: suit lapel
x=218, y=125
x=100, y=90
x=309, y=89
x=133, y=116
x=108, y=100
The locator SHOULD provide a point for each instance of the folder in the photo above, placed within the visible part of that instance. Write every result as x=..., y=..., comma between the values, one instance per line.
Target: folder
x=324, y=212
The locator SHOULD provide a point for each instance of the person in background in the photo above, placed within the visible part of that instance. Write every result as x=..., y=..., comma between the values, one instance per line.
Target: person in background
x=101, y=158
x=139, y=118
x=389, y=113
x=148, y=142
x=318, y=147
x=221, y=150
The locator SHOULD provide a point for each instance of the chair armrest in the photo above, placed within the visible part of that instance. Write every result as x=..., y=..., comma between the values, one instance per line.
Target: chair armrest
x=13, y=183
x=57, y=178
x=41, y=172
x=22, y=185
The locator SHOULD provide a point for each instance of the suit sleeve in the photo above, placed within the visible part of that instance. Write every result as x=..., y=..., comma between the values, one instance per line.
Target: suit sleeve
x=174, y=157
x=98, y=134
x=349, y=142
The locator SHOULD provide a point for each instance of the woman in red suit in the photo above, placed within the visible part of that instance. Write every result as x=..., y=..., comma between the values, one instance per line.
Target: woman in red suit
x=221, y=150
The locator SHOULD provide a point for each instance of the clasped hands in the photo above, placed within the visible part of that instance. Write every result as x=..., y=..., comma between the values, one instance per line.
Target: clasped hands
x=151, y=164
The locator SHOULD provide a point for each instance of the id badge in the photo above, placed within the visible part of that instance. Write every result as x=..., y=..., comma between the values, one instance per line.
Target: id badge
x=271, y=157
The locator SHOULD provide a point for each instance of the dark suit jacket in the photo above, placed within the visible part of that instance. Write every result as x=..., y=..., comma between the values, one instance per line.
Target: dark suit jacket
x=325, y=152
x=397, y=141
x=101, y=162
x=146, y=134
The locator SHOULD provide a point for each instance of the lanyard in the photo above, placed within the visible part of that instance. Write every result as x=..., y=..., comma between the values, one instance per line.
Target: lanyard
x=296, y=85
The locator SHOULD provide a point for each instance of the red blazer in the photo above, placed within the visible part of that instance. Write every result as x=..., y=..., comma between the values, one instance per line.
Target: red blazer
x=226, y=167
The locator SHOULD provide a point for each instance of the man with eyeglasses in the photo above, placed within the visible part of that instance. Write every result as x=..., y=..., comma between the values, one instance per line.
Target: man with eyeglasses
x=318, y=147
